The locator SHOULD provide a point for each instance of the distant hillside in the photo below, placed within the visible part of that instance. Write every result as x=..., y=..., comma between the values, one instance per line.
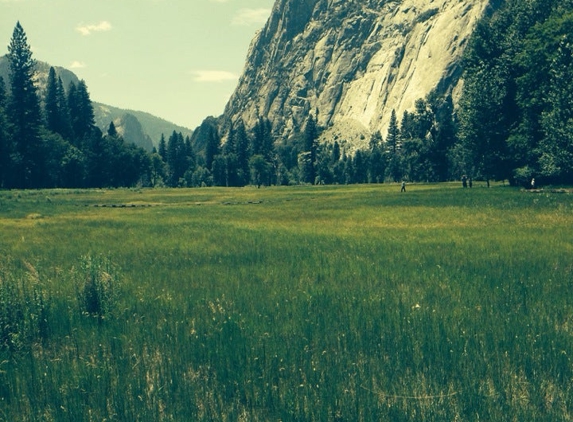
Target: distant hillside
x=152, y=125
x=146, y=133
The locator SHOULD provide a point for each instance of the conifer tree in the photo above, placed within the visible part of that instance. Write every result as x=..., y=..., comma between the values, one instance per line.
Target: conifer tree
x=392, y=139
x=242, y=151
x=111, y=130
x=24, y=114
x=212, y=148
x=376, y=164
x=4, y=147
x=230, y=145
x=393, y=170
x=311, y=148
x=177, y=159
x=65, y=128
x=52, y=106
x=163, y=148
x=81, y=111
x=2, y=94
x=230, y=160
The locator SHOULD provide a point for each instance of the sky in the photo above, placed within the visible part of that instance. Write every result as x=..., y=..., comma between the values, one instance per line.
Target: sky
x=176, y=59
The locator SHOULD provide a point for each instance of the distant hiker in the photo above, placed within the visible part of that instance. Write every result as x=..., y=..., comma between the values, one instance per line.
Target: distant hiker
x=403, y=187
x=471, y=182
x=464, y=181
x=533, y=183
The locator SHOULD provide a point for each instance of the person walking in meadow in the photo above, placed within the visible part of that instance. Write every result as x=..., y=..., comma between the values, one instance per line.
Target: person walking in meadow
x=403, y=186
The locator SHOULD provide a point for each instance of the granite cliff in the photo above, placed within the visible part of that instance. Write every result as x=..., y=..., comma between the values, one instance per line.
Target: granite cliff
x=352, y=62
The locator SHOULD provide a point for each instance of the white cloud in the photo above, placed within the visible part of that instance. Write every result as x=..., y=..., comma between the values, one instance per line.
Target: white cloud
x=98, y=27
x=213, y=76
x=77, y=65
x=247, y=17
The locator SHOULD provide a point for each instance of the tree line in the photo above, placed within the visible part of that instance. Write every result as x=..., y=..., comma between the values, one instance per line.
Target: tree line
x=514, y=121
x=51, y=140
x=516, y=113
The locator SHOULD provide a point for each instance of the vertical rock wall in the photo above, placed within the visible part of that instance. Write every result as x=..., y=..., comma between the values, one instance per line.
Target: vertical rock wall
x=352, y=61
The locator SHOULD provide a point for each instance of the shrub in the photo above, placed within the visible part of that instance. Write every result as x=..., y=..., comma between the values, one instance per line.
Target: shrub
x=96, y=286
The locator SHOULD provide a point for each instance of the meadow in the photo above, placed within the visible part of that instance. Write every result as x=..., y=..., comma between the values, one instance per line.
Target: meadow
x=310, y=303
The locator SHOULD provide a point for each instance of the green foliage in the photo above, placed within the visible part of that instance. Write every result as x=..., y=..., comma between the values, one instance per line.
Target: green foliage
x=515, y=106
x=26, y=168
x=24, y=308
x=310, y=150
x=81, y=111
x=179, y=159
x=62, y=148
x=4, y=139
x=557, y=121
x=260, y=170
x=96, y=286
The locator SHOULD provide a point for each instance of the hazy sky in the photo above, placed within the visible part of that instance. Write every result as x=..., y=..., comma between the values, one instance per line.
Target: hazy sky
x=177, y=59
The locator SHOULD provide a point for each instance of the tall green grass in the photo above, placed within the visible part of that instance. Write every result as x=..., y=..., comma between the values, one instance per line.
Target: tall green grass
x=306, y=303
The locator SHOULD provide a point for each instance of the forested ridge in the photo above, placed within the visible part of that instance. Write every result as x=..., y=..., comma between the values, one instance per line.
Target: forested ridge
x=514, y=122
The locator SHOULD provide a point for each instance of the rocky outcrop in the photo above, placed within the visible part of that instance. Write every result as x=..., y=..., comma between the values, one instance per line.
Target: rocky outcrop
x=352, y=62
x=132, y=132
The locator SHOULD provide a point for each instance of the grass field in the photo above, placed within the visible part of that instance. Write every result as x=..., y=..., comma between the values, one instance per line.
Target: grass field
x=340, y=303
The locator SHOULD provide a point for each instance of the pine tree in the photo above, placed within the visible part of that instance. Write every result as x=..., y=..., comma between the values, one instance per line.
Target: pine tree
x=24, y=114
x=230, y=145
x=163, y=148
x=65, y=128
x=444, y=136
x=262, y=140
x=311, y=147
x=360, y=168
x=242, y=151
x=212, y=148
x=2, y=93
x=393, y=170
x=230, y=159
x=392, y=139
x=111, y=130
x=81, y=111
x=177, y=159
x=4, y=147
x=376, y=163
x=190, y=155
x=52, y=106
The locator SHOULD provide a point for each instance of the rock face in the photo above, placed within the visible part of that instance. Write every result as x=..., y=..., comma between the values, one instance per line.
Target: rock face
x=132, y=132
x=352, y=61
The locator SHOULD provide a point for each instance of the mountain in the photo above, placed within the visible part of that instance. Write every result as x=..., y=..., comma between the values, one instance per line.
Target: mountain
x=130, y=129
x=138, y=127
x=151, y=126
x=352, y=62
